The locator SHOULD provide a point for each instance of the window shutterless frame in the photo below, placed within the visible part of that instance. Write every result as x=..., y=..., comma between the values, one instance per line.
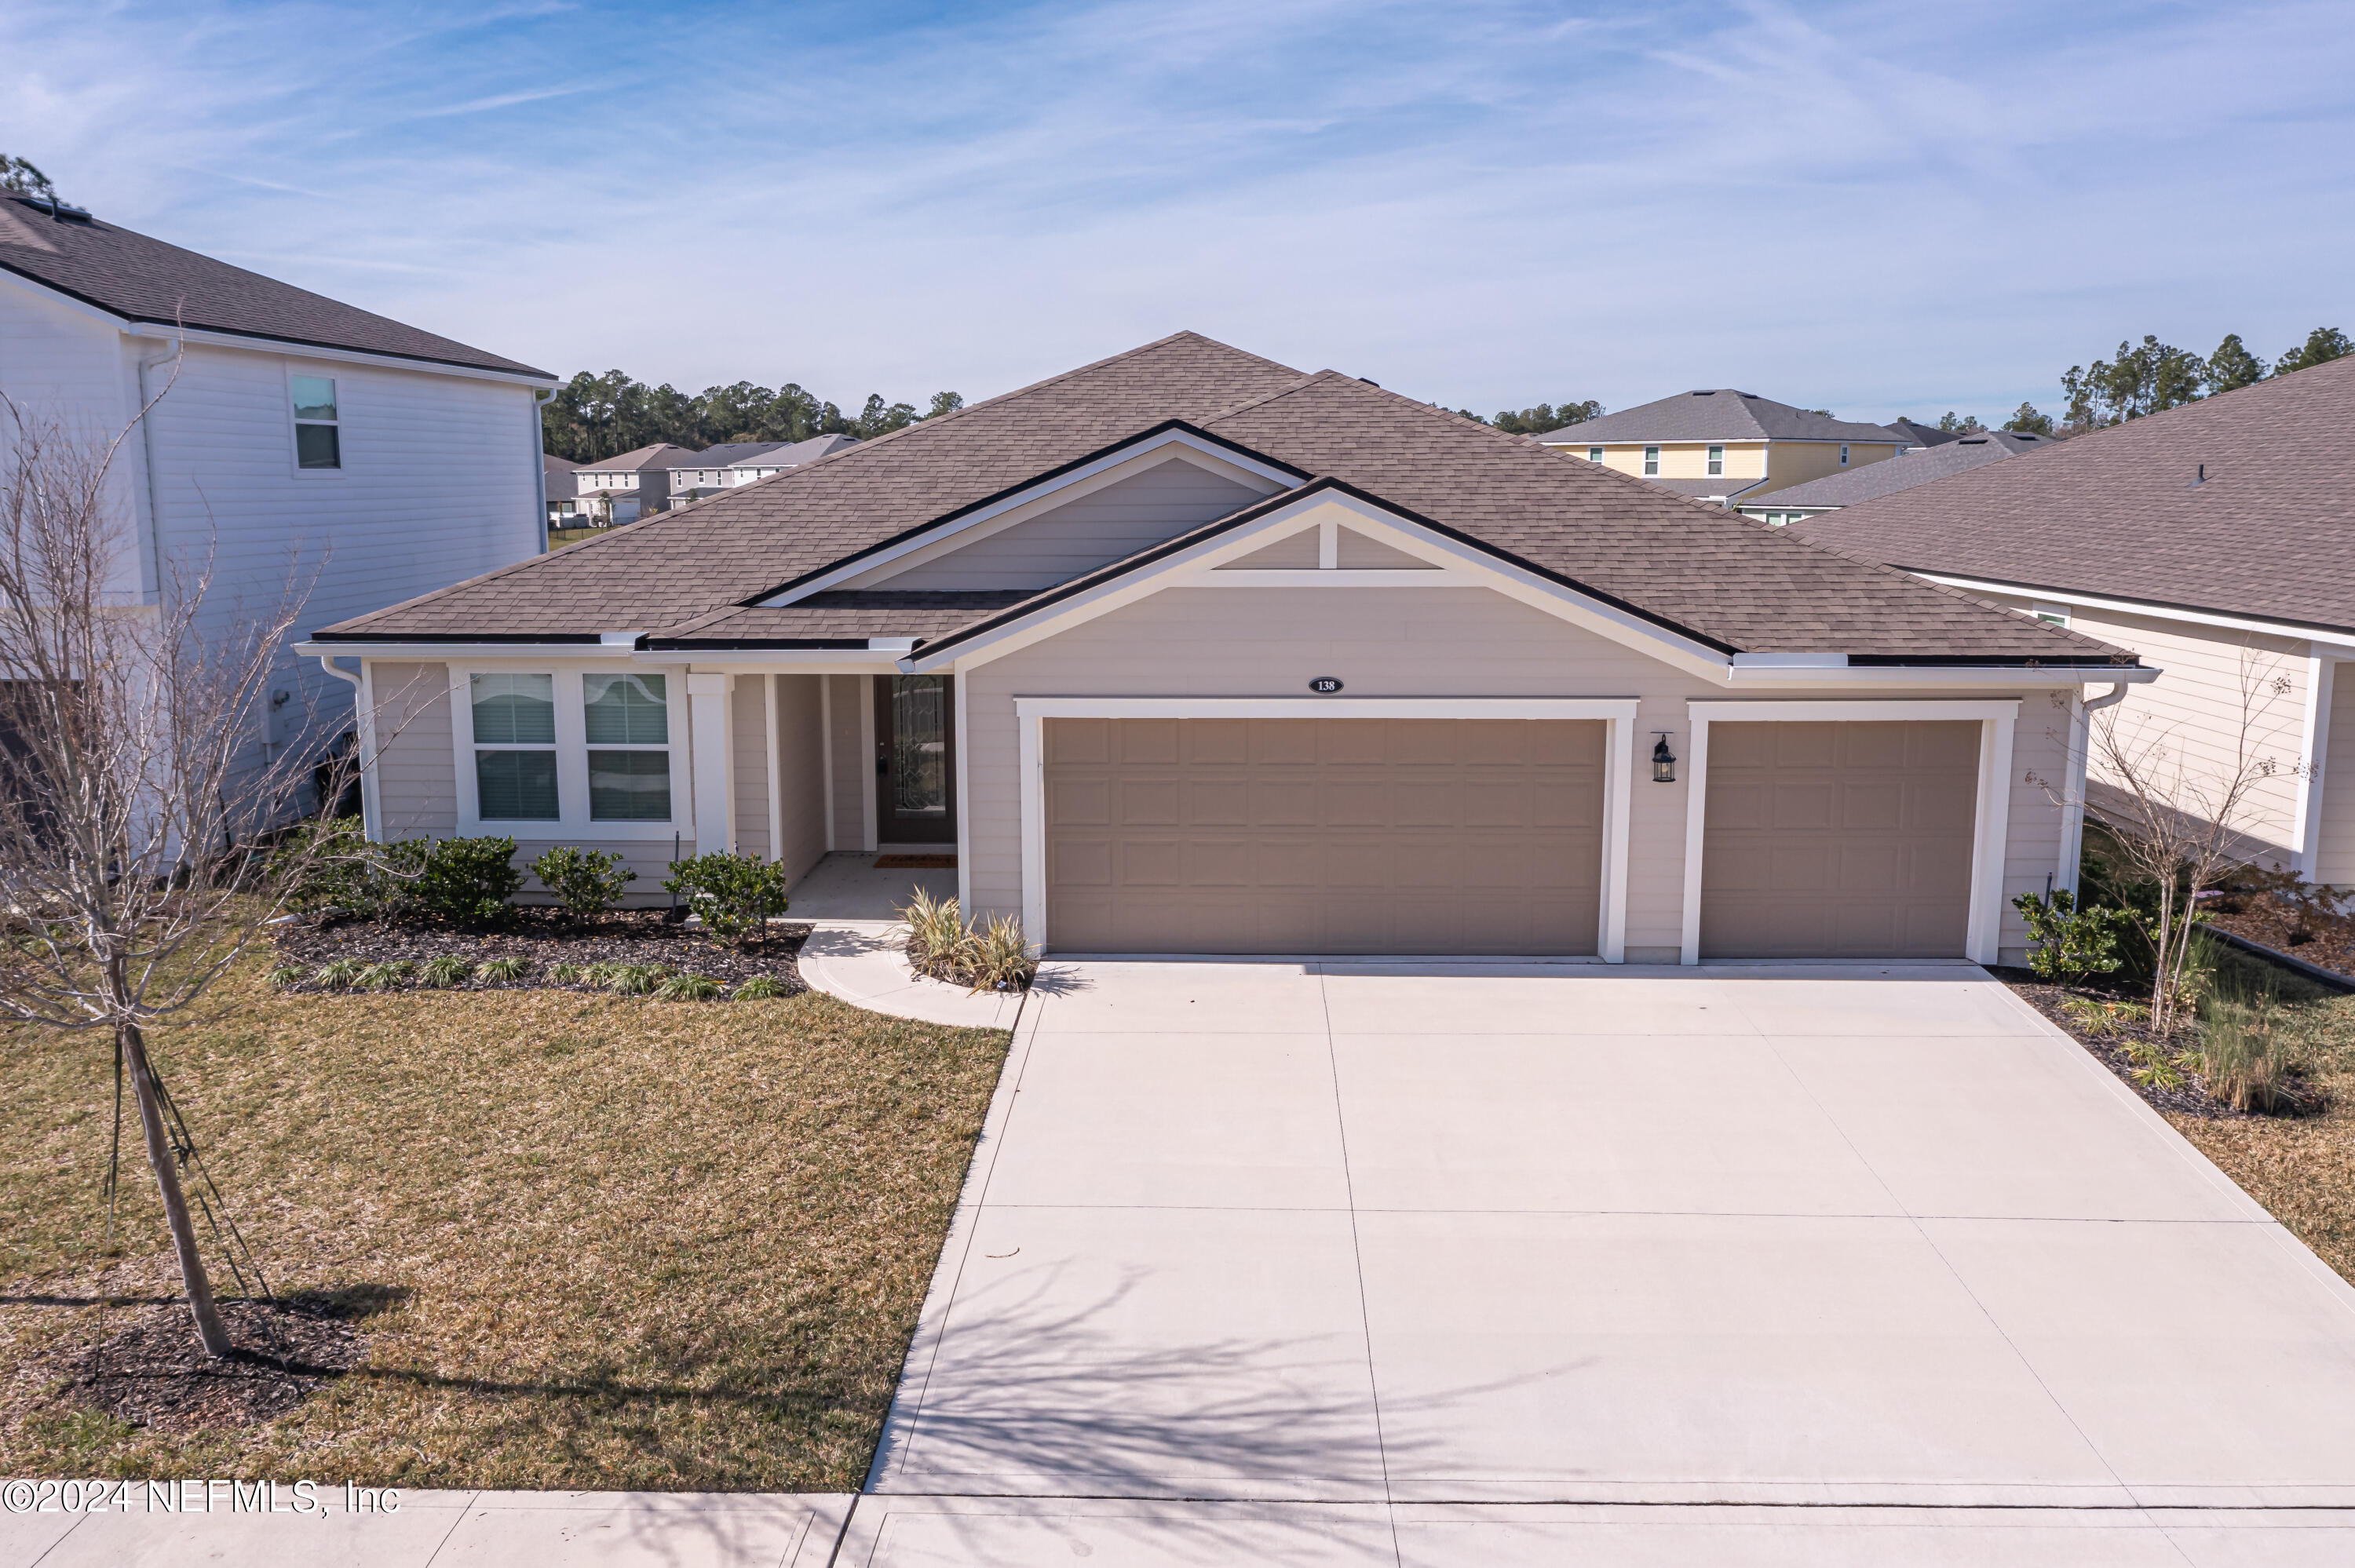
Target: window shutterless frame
x=1716, y=461
x=574, y=823
x=1651, y=463
x=315, y=407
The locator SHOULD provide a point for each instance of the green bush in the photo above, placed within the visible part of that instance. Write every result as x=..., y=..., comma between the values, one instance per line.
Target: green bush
x=735, y=895
x=584, y=880
x=327, y=865
x=2071, y=943
x=462, y=882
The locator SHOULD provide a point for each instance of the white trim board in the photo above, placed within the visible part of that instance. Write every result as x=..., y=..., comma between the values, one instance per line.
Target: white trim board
x=942, y=538
x=1618, y=714
x=2343, y=640
x=1992, y=820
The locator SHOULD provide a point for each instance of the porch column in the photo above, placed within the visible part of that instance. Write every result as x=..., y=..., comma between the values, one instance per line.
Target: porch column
x=715, y=828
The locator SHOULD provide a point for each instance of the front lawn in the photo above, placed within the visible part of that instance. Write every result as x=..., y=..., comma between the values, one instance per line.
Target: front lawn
x=589, y=1242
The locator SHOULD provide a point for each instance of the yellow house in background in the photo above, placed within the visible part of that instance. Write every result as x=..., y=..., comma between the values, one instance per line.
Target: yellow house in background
x=1723, y=445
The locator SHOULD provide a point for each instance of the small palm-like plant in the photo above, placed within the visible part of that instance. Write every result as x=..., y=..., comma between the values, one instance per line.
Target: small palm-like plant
x=497, y=971
x=338, y=974
x=441, y=974
x=935, y=926
x=389, y=975
x=284, y=976
x=997, y=957
x=635, y=980
x=761, y=988
x=688, y=988
x=567, y=974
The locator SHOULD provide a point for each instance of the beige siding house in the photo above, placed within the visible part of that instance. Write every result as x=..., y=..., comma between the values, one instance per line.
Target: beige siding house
x=1724, y=446
x=1187, y=651
x=2213, y=539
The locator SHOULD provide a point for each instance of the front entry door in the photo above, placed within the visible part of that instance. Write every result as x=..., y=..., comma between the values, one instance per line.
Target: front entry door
x=915, y=762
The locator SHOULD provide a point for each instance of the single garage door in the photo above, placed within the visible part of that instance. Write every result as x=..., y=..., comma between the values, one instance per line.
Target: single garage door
x=1323, y=835
x=1838, y=841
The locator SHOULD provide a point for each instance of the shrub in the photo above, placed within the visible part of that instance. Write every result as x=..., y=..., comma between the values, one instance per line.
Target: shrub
x=328, y=864
x=441, y=974
x=584, y=880
x=734, y=894
x=2249, y=1042
x=493, y=972
x=2070, y=943
x=462, y=882
x=761, y=988
x=688, y=988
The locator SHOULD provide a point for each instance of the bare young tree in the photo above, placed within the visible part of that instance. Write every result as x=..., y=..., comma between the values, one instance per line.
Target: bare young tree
x=2186, y=822
x=133, y=790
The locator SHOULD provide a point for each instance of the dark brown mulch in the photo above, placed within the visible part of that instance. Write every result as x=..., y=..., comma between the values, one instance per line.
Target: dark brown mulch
x=544, y=939
x=2108, y=1048
x=2325, y=941
x=152, y=1373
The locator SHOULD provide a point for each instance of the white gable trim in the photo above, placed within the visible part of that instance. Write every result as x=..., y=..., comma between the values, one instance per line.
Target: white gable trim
x=1033, y=501
x=1197, y=564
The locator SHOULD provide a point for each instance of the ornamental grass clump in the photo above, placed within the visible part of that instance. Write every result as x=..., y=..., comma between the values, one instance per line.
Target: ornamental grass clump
x=2250, y=1043
x=500, y=971
x=761, y=988
x=391, y=975
x=338, y=974
x=942, y=943
x=442, y=973
x=688, y=988
x=635, y=980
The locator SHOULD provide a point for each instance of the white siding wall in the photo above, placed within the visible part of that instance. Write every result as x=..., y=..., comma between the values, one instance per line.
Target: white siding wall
x=1200, y=642
x=2198, y=702
x=1105, y=525
x=75, y=375
x=801, y=768
x=749, y=705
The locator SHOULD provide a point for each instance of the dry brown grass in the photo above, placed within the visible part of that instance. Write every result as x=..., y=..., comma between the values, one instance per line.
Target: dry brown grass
x=2302, y=1167
x=623, y=1243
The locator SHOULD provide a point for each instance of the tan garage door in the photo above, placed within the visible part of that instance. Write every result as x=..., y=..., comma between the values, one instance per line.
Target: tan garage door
x=1323, y=835
x=1835, y=841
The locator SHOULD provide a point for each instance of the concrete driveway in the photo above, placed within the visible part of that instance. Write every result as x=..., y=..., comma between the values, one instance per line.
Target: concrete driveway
x=1429, y=1264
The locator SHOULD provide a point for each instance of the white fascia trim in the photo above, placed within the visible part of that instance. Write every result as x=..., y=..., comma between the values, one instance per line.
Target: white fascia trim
x=1790, y=660
x=1196, y=566
x=1007, y=512
x=257, y=344
x=1991, y=821
x=1943, y=676
x=1328, y=708
x=2341, y=640
x=1618, y=714
x=432, y=653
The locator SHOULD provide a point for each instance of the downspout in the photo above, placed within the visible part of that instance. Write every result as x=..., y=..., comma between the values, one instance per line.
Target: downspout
x=540, y=400
x=363, y=734
x=154, y=530
x=2081, y=741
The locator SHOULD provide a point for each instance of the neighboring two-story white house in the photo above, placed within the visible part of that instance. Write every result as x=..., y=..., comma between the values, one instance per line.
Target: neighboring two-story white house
x=300, y=441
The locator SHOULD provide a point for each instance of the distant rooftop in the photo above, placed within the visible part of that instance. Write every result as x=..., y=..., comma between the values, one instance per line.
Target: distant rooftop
x=1720, y=414
x=1903, y=473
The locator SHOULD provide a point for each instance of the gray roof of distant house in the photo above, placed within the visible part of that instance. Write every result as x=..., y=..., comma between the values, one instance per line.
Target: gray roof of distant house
x=1890, y=475
x=700, y=571
x=552, y=465
x=129, y=275
x=1706, y=489
x=1718, y=414
x=662, y=454
x=1918, y=434
x=797, y=453
x=2124, y=512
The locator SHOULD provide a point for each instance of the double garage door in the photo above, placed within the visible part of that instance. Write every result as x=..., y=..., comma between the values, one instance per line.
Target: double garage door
x=1846, y=840
x=1324, y=835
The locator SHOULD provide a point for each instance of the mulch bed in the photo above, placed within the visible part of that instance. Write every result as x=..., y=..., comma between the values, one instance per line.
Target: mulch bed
x=2325, y=941
x=2108, y=1048
x=153, y=1373
x=544, y=939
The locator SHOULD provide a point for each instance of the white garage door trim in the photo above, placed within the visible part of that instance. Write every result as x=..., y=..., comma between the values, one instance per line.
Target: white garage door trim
x=1619, y=759
x=1990, y=822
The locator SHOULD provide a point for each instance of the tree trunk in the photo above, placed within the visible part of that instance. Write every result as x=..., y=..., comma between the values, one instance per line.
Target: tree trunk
x=209, y=1326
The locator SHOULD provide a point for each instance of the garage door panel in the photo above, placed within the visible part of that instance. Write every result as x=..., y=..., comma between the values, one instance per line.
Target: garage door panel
x=1080, y=740
x=1317, y=835
x=1863, y=849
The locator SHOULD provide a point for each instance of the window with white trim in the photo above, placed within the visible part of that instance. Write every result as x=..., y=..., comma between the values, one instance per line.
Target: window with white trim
x=1651, y=463
x=2058, y=614
x=514, y=748
x=318, y=435
x=1716, y=461
x=626, y=721
x=1843, y=454
x=1594, y=454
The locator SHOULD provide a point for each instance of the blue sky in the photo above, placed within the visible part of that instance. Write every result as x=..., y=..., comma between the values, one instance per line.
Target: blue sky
x=1879, y=209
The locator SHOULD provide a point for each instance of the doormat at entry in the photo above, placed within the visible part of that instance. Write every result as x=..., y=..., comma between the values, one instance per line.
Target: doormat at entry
x=915, y=863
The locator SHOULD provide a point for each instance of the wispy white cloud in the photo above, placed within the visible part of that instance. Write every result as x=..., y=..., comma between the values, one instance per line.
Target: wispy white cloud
x=1489, y=201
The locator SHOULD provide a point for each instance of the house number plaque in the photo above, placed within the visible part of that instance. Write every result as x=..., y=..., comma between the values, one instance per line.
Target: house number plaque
x=1325, y=685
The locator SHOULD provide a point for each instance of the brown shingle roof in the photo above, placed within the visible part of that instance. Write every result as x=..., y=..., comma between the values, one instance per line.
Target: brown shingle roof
x=144, y=280
x=846, y=617
x=1722, y=578
x=2270, y=533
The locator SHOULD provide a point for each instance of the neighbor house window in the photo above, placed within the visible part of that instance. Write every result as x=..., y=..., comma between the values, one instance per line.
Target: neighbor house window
x=317, y=442
x=1652, y=462
x=2058, y=614
x=514, y=748
x=1716, y=461
x=1843, y=455
x=628, y=727
x=1594, y=454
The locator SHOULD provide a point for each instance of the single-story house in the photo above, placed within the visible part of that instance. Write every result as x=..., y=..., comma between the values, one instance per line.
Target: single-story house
x=1918, y=465
x=1189, y=652
x=2217, y=538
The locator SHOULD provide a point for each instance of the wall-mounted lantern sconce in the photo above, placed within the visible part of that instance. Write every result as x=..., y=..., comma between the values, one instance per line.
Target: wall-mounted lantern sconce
x=1664, y=761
